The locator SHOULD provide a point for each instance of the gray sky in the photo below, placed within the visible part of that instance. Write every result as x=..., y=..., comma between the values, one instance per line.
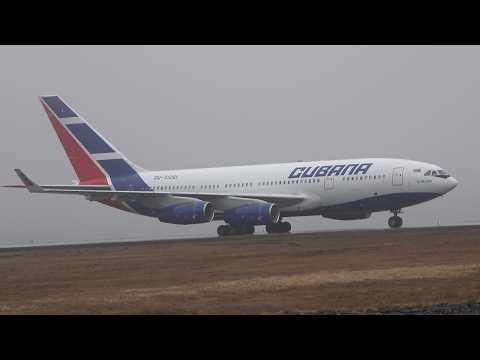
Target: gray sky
x=169, y=107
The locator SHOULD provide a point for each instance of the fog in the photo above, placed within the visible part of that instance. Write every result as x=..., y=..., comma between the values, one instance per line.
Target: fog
x=174, y=107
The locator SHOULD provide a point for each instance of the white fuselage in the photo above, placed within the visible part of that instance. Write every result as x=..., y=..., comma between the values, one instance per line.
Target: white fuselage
x=385, y=177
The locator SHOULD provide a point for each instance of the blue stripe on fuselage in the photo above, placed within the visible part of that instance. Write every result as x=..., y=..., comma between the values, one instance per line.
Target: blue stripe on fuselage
x=123, y=176
x=372, y=203
x=387, y=201
x=89, y=139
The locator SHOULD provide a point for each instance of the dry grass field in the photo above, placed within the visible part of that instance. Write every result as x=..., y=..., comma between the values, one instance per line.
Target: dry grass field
x=327, y=272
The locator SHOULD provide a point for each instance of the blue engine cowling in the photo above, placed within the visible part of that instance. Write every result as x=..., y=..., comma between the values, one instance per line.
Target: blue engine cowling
x=193, y=212
x=253, y=214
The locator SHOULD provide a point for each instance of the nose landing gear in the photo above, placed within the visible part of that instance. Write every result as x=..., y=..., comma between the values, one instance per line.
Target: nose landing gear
x=395, y=221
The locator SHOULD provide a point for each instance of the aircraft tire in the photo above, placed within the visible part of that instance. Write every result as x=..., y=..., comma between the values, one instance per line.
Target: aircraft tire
x=278, y=228
x=223, y=230
x=228, y=230
x=395, y=222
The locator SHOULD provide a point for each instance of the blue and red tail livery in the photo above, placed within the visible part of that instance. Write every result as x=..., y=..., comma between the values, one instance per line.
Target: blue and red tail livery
x=93, y=158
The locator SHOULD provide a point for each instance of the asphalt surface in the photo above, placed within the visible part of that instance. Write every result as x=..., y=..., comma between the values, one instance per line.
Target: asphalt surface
x=432, y=270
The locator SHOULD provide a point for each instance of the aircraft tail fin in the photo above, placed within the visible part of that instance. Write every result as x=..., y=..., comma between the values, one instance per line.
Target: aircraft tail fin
x=95, y=160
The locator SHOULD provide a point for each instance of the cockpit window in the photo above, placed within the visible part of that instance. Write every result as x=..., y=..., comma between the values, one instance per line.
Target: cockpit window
x=443, y=174
x=437, y=173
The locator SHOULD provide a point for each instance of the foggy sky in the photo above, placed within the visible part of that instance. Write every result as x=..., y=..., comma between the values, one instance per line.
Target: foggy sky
x=174, y=107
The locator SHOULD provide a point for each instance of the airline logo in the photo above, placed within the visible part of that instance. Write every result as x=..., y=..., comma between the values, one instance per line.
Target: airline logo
x=329, y=170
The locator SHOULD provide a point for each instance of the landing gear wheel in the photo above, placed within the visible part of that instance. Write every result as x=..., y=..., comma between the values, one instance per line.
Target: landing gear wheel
x=227, y=230
x=395, y=222
x=223, y=230
x=248, y=229
x=287, y=227
x=278, y=228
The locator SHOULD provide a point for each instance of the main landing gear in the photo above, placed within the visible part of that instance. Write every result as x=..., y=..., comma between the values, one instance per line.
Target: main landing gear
x=278, y=228
x=395, y=221
x=226, y=230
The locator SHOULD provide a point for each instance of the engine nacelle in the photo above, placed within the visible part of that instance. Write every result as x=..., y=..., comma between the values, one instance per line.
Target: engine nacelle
x=193, y=212
x=253, y=214
x=352, y=215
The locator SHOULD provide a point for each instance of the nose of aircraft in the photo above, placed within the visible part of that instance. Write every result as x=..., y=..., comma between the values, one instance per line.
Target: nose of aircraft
x=452, y=183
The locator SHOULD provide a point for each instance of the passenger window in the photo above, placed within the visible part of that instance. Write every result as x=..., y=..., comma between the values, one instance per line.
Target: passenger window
x=428, y=173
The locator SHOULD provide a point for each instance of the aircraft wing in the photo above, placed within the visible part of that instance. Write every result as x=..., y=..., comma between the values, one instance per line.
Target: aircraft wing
x=103, y=192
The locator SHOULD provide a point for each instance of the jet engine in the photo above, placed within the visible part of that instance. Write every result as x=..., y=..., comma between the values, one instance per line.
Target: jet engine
x=193, y=212
x=252, y=214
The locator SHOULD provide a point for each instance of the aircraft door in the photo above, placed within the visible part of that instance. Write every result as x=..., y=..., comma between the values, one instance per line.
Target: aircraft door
x=397, y=176
x=329, y=182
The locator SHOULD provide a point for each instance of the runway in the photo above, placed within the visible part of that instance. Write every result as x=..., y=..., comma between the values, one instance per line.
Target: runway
x=416, y=270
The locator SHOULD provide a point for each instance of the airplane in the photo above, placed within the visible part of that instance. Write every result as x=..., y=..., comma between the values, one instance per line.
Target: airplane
x=241, y=196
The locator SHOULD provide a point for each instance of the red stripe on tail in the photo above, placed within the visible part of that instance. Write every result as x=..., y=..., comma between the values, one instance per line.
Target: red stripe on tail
x=87, y=170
